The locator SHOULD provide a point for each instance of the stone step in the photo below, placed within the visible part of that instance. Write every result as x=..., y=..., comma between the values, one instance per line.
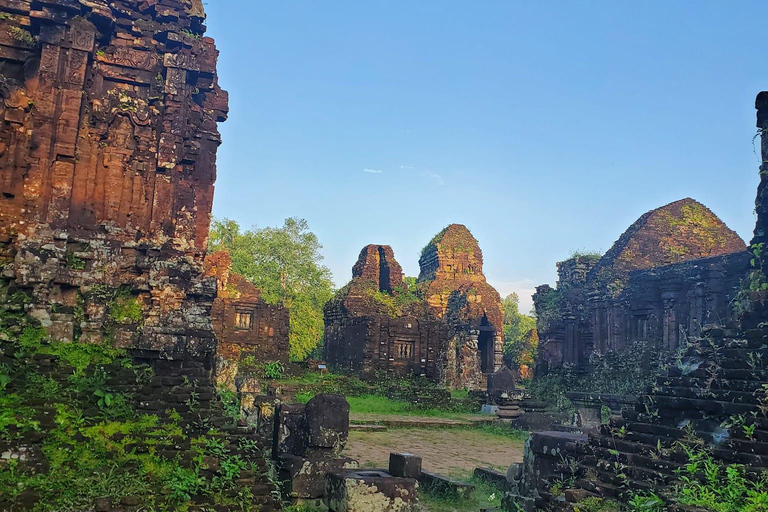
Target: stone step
x=678, y=405
x=657, y=469
x=749, y=386
x=703, y=393
x=368, y=428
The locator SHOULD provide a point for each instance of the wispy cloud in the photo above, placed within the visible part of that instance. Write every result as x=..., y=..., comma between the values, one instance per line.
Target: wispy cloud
x=407, y=167
x=372, y=171
x=434, y=176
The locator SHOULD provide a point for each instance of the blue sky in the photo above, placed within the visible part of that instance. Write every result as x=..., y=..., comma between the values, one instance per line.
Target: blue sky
x=545, y=127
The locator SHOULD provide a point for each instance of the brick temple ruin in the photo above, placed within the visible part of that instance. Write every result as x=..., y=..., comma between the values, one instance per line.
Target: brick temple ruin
x=672, y=272
x=448, y=328
x=107, y=153
x=714, y=398
x=108, y=140
x=247, y=328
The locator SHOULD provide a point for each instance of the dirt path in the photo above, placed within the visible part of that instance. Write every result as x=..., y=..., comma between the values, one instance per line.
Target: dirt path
x=452, y=452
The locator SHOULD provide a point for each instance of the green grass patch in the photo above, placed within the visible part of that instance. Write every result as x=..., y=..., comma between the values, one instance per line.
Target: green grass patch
x=460, y=393
x=485, y=495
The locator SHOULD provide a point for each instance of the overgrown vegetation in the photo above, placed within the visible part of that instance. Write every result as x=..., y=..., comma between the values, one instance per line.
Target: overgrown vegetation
x=384, y=395
x=548, y=310
x=485, y=496
x=95, y=444
x=521, y=340
x=710, y=484
x=22, y=35
x=625, y=373
x=755, y=283
x=285, y=264
x=398, y=301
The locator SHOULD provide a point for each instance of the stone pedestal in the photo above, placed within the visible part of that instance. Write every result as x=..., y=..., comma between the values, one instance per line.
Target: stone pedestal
x=370, y=491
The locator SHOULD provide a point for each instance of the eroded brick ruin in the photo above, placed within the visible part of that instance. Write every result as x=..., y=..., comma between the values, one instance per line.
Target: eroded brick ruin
x=248, y=330
x=448, y=329
x=370, y=327
x=713, y=397
x=108, y=142
x=672, y=272
x=107, y=150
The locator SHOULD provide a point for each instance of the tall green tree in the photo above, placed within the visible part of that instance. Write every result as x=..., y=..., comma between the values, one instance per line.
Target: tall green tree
x=520, y=338
x=286, y=265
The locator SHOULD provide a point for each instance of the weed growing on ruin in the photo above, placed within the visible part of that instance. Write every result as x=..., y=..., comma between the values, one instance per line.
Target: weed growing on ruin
x=125, y=309
x=230, y=400
x=709, y=484
x=24, y=36
x=74, y=262
x=95, y=444
x=755, y=282
x=274, y=370
x=594, y=504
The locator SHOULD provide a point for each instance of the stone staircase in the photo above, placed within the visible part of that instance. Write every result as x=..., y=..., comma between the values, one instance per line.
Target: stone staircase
x=716, y=396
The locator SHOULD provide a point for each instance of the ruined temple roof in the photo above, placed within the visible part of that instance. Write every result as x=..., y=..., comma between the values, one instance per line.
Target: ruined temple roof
x=377, y=263
x=453, y=254
x=377, y=287
x=680, y=231
x=452, y=265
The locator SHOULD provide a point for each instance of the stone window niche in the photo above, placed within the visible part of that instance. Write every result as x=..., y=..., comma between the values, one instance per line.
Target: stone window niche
x=243, y=320
x=404, y=350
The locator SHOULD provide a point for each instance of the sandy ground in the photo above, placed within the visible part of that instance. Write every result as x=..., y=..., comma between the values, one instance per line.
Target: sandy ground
x=451, y=452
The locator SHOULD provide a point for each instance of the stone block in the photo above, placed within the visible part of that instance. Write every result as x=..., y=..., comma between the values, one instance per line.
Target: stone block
x=290, y=430
x=370, y=491
x=492, y=476
x=305, y=478
x=405, y=465
x=438, y=484
x=327, y=422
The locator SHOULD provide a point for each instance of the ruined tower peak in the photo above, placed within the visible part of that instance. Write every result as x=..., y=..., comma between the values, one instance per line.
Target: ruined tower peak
x=452, y=254
x=377, y=263
x=680, y=231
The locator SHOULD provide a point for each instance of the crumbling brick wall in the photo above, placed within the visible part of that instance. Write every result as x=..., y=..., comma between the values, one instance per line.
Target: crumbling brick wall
x=245, y=325
x=673, y=271
x=108, y=138
x=449, y=329
x=367, y=331
x=451, y=266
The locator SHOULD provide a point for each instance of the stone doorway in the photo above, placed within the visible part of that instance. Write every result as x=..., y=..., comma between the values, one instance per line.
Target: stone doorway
x=485, y=345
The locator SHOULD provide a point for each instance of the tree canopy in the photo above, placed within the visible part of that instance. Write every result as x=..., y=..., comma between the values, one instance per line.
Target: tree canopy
x=521, y=340
x=286, y=265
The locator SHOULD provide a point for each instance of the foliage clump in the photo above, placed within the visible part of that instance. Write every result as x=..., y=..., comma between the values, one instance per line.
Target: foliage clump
x=396, y=304
x=521, y=340
x=627, y=373
x=90, y=434
x=24, y=36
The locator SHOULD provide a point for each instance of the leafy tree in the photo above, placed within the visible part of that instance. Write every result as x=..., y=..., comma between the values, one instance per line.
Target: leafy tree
x=520, y=338
x=285, y=264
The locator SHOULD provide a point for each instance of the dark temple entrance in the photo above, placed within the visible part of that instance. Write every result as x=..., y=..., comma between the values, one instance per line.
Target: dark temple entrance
x=485, y=345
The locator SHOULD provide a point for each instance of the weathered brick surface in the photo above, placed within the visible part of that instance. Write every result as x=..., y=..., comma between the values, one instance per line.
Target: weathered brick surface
x=672, y=272
x=453, y=333
x=365, y=334
x=245, y=325
x=457, y=292
x=108, y=138
x=714, y=397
